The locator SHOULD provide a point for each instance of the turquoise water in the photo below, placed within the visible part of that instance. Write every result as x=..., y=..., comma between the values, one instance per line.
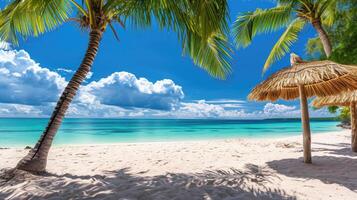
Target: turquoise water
x=21, y=132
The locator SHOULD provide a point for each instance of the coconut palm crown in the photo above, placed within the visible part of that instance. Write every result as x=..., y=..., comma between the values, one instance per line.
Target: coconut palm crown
x=201, y=27
x=293, y=15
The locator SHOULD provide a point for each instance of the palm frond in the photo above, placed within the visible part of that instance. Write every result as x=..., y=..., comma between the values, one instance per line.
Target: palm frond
x=327, y=11
x=201, y=27
x=79, y=7
x=246, y=26
x=114, y=31
x=282, y=46
x=314, y=46
x=307, y=6
x=291, y=3
x=31, y=18
x=91, y=13
x=212, y=54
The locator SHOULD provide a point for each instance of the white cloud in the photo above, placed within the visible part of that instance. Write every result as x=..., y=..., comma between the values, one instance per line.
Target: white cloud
x=126, y=90
x=65, y=70
x=95, y=110
x=89, y=75
x=202, y=109
x=18, y=110
x=225, y=101
x=274, y=110
x=69, y=71
x=23, y=81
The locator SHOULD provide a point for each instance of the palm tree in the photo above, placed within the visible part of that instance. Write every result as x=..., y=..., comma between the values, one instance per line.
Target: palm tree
x=292, y=15
x=201, y=27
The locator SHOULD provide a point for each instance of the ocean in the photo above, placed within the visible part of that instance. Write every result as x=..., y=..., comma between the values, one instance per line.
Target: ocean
x=19, y=132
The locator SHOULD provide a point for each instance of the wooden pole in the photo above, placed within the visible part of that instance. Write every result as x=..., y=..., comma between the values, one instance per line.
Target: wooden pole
x=305, y=124
x=353, y=111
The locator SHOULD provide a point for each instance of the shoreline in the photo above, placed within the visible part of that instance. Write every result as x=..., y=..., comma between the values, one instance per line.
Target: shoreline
x=232, y=169
x=265, y=138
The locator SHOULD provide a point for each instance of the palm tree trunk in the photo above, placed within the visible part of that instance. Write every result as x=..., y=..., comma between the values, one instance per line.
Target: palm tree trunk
x=353, y=111
x=326, y=43
x=36, y=159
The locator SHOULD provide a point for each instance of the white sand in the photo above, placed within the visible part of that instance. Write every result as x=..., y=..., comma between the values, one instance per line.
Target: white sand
x=219, y=169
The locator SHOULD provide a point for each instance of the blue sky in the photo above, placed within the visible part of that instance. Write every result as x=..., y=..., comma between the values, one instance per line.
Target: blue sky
x=171, y=85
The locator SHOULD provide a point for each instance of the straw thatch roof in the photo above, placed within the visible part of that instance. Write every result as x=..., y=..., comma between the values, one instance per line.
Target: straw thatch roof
x=343, y=99
x=321, y=78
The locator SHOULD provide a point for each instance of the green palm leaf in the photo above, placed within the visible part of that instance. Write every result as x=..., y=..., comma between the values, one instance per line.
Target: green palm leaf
x=201, y=27
x=31, y=17
x=291, y=3
x=249, y=24
x=315, y=12
x=327, y=11
x=212, y=54
x=282, y=46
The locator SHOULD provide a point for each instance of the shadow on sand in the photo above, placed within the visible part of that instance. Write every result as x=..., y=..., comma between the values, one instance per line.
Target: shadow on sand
x=339, y=168
x=230, y=184
x=342, y=149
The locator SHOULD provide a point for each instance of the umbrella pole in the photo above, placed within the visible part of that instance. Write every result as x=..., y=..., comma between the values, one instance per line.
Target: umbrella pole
x=353, y=126
x=305, y=124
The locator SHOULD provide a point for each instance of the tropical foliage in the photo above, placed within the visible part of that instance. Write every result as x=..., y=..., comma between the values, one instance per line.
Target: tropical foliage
x=344, y=42
x=293, y=15
x=344, y=113
x=343, y=36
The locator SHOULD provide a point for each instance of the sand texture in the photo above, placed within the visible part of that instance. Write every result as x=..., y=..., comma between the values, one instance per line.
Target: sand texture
x=215, y=169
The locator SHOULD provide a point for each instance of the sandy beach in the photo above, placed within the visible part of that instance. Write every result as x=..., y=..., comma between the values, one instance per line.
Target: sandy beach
x=215, y=169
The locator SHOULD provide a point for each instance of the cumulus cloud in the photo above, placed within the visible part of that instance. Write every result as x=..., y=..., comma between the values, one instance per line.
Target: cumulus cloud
x=277, y=110
x=69, y=71
x=225, y=103
x=95, y=110
x=272, y=110
x=65, y=70
x=126, y=90
x=203, y=109
x=23, y=81
x=18, y=110
x=212, y=109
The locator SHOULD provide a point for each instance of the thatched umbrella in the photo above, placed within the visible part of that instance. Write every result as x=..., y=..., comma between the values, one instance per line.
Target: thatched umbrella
x=343, y=99
x=306, y=79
